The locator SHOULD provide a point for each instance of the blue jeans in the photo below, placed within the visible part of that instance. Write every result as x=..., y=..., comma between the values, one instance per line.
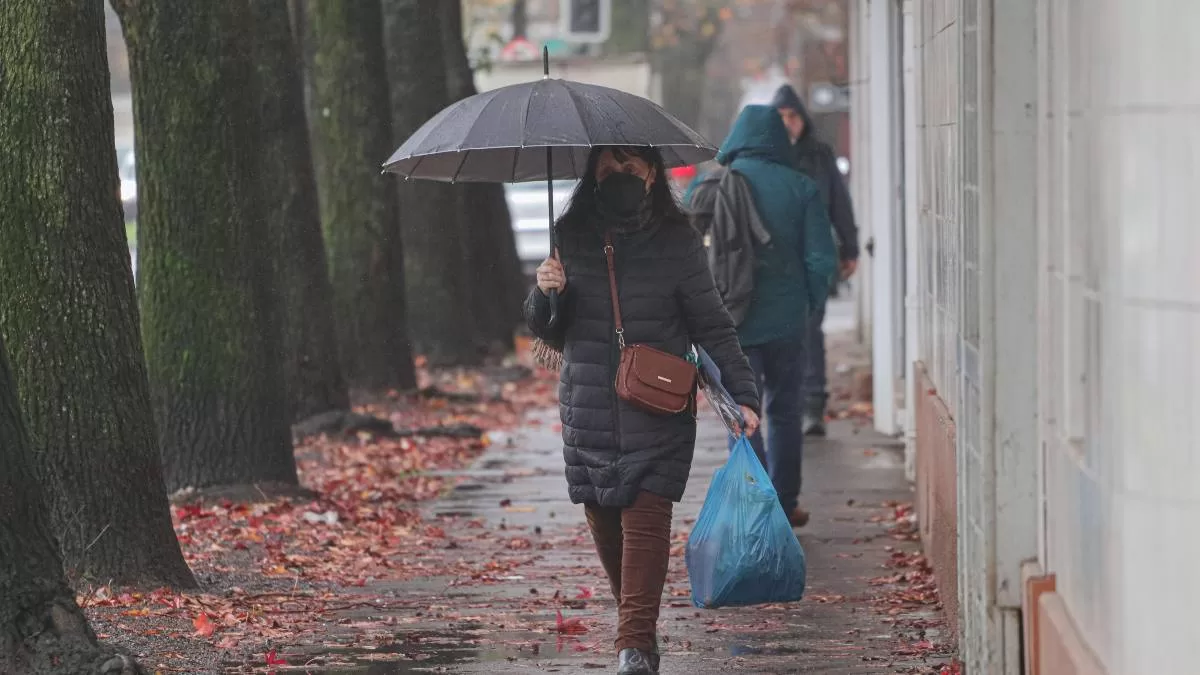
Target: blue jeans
x=816, y=385
x=779, y=367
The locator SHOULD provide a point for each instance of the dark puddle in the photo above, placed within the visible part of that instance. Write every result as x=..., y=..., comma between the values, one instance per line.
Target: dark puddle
x=426, y=652
x=772, y=650
x=451, y=513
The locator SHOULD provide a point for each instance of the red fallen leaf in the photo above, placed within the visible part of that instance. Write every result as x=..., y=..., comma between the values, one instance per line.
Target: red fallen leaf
x=273, y=660
x=204, y=627
x=585, y=593
x=570, y=626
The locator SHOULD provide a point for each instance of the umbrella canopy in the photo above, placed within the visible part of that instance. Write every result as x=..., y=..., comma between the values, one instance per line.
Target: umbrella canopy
x=540, y=130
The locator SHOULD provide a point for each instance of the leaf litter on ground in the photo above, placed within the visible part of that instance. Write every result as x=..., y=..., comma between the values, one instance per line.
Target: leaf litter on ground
x=274, y=572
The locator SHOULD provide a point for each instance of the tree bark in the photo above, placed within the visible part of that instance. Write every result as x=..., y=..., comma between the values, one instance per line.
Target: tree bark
x=213, y=349
x=495, y=276
x=42, y=630
x=67, y=302
x=683, y=80
x=437, y=258
x=630, y=27
x=352, y=136
x=686, y=36
x=311, y=373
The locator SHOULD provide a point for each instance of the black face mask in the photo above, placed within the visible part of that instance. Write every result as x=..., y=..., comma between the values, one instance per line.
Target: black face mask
x=621, y=194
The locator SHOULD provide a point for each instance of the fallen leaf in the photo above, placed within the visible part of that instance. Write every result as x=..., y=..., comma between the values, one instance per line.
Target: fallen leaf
x=573, y=626
x=204, y=627
x=273, y=660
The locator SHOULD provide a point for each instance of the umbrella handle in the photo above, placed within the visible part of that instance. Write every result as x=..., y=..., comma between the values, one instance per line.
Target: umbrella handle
x=553, y=308
x=550, y=202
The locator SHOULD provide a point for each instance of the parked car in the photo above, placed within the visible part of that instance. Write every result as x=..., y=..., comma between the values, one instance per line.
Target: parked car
x=531, y=226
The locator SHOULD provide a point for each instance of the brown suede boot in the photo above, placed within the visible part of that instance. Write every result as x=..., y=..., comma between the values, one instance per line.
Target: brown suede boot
x=798, y=517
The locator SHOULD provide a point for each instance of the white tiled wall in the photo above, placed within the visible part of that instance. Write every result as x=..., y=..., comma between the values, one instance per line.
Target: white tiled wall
x=1120, y=395
x=949, y=282
x=939, y=194
x=1117, y=356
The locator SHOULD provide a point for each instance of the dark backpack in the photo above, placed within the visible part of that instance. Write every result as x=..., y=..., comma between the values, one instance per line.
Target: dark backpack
x=722, y=209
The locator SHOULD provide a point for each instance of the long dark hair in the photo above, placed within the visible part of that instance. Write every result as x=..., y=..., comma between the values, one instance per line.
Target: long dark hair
x=662, y=208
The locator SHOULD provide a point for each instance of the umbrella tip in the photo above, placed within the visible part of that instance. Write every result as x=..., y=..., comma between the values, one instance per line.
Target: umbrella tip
x=545, y=62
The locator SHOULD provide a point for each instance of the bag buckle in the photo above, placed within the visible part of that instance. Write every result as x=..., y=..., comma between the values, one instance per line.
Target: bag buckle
x=621, y=338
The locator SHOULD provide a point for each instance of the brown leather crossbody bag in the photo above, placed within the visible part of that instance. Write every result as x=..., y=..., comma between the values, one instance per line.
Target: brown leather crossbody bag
x=649, y=378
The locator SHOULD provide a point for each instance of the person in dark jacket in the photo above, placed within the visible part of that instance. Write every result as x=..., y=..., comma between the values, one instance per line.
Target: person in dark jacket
x=627, y=466
x=791, y=281
x=815, y=159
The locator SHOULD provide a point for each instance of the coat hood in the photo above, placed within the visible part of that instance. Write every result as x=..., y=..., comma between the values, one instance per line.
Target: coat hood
x=786, y=97
x=758, y=132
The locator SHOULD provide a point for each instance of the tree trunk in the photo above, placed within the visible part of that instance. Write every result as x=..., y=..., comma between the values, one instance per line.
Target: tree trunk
x=686, y=36
x=683, y=80
x=67, y=302
x=311, y=373
x=495, y=278
x=630, y=27
x=213, y=349
x=437, y=261
x=42, y=630
x=352, y=136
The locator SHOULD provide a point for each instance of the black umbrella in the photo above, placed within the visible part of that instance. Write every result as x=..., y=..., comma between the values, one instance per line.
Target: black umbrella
x=541, y=130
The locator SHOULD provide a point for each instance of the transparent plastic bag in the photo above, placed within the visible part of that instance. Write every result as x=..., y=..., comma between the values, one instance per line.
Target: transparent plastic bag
x=742, y=550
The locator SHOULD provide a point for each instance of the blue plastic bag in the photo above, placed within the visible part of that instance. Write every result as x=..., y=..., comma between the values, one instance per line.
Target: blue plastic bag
x=742, y=550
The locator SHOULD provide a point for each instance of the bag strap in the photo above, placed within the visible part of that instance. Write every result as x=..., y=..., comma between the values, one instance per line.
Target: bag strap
x=612, y=289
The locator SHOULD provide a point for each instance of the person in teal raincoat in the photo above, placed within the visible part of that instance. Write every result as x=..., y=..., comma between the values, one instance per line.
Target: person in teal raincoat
x=791, y=282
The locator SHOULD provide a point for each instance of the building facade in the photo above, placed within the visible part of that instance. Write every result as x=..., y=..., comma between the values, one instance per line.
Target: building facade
x=1034, y=313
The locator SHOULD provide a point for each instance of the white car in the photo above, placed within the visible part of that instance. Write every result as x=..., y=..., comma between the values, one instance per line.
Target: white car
x=527, y=204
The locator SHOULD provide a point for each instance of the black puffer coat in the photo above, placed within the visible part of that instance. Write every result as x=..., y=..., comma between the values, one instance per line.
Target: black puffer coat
x=668, y=300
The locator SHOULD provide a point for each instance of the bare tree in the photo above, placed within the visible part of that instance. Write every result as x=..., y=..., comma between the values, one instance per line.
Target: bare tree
x=352, y=136
x=437, y=258
x=311, y=372
x=213, y=347
x=493, y=268
x=67, y=304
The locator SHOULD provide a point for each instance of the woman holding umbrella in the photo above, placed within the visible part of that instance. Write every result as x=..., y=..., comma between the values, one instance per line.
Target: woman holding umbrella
x=630, y=270
x=627, y=295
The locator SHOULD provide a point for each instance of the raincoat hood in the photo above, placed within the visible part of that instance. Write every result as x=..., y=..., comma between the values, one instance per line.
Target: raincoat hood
x=759, y=133
x=786, y=97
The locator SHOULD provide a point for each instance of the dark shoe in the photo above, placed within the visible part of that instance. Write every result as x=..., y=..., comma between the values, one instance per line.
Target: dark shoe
x=633, y=661
x=798, y=517
x=813, y=424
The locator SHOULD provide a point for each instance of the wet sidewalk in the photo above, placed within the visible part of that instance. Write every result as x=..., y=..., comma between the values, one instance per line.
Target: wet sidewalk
x=506, y=552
